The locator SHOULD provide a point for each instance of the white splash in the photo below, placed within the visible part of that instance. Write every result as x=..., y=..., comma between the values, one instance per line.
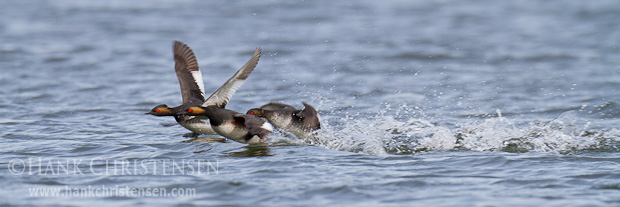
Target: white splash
x=559, y=136
x=383, y=134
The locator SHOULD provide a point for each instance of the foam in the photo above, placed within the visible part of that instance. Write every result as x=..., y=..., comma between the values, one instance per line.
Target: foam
x=389, y=134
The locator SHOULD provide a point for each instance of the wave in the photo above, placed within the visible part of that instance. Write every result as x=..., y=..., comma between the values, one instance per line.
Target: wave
x=386, y=134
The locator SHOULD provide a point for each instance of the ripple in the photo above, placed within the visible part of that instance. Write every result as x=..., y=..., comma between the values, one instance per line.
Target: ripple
x=597, y=176
x=339, y=192
x=93, y=88
x=88, y=148
x=56, y=59
x=608, y=187
x=46, y=181
x=525, y=182
x=82, y=48
x=407, y=183
x=422, y=56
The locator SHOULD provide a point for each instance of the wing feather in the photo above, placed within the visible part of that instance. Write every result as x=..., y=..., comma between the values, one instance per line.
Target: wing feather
x=188, y=73
x=222, y=95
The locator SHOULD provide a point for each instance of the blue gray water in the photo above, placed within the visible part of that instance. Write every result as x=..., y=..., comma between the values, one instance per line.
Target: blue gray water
x=423, y=103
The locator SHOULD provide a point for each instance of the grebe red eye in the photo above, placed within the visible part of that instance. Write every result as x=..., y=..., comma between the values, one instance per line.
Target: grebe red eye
x=157, y=110
x=189, y=110
x=252, y=113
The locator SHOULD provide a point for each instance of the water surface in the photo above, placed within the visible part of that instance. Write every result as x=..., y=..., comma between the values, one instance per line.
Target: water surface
x=443, y=103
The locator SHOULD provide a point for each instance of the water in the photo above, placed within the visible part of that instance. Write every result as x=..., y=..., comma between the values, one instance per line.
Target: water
x=424, y=103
